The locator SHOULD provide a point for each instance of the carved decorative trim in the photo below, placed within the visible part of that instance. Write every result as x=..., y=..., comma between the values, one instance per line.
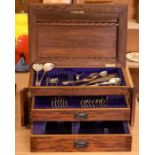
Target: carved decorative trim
x=86, y=7
x=77, y=58
x=76, y=23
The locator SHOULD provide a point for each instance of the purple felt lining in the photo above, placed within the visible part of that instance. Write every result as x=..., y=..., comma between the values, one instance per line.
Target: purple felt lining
x=117, y=101
x=39, y=127
x=101, y=127
x=69, y=74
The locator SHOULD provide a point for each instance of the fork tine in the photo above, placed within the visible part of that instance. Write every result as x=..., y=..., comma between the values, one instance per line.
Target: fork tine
x=62, y=102
x=52, y=103
x=66, y=103
x=81, y=103
x=55, y=106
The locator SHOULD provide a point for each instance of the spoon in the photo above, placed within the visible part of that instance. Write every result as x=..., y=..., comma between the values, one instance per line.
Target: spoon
x=95, y=74
x=103, y=73
x=112, y=81
x=37, y=67
x=87, y=79
x=46, y=67
x=90, y=77
x=99, y=80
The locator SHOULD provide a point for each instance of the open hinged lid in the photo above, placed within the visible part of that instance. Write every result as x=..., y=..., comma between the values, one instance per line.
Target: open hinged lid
x=78, y=35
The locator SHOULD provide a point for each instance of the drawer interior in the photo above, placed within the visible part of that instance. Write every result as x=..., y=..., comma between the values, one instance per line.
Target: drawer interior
x=67, y=74
x=56, y=102
x=94, y=127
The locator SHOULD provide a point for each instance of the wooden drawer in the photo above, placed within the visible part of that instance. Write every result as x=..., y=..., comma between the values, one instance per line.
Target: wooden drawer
x=84, y=108
x=69, y=74
x=104, y=136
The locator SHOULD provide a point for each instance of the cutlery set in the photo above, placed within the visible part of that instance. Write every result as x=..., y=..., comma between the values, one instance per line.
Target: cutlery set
x=81, y=88
x=101, y=78
x=84, y=102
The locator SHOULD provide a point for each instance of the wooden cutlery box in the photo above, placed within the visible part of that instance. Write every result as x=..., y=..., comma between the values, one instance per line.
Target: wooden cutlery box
x=79, y=40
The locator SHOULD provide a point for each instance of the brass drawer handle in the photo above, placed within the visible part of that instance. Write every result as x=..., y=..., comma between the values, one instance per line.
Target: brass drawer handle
x=81, y=115
x=79, y=144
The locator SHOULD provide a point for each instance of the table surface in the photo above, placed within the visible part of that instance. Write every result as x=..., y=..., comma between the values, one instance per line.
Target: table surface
x=23, y=134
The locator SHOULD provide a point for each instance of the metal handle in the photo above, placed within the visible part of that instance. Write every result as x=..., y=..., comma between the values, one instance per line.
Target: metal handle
x=81, y=115
x=79, y=144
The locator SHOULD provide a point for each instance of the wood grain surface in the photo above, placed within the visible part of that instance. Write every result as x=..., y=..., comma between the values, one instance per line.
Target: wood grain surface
x=23, y=134
x=74, y=34
x=60, y=143
x=132, y=5
x=69, y=114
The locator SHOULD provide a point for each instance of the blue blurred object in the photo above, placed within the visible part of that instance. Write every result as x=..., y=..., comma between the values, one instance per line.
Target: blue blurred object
x=21, y=66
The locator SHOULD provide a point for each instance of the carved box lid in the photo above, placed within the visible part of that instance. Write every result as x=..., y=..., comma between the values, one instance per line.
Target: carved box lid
x=78, y=35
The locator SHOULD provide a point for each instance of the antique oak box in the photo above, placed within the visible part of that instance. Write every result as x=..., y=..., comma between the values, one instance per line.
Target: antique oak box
x=85, y=102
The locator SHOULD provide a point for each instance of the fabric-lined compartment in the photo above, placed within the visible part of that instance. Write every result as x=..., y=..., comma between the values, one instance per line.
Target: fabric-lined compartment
x=69, y=74
x=110, y=101
x=95, y=127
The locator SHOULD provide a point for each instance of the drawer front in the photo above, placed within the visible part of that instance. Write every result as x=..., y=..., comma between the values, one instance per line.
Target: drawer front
x=84, y=108
x=77, y=91
x=83, y=136
x=81, y=115
x=71, y=143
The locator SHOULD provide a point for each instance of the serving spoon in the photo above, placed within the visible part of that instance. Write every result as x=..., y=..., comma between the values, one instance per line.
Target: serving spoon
x=46, y=67
x=37, y=67
x=112, y=81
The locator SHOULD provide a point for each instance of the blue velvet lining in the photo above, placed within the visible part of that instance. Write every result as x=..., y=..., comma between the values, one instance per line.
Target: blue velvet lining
x=99, y=127
x=117, y=101
x=70, y=74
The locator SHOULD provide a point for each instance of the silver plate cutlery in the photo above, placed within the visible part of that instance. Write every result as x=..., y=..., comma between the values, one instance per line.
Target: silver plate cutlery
x=86, y=102
x=92, y=79
x=59, y=102
x=92, y=103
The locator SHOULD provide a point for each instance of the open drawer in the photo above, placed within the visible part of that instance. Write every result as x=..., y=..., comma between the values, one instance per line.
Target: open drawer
x=64, y=75
x=80, y=136
x=80, y=108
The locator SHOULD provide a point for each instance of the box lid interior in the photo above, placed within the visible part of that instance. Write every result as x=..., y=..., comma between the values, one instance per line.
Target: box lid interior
x=77, y=35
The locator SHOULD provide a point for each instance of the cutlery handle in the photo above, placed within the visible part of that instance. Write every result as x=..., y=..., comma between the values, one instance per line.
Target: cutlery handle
x=100, y=80
x=74, y=82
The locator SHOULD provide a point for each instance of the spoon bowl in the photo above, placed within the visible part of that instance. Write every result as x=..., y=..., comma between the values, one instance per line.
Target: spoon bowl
x=48, y=67
x=37, y=67
x=103, y=73
x=112, y=81
x=115, y=80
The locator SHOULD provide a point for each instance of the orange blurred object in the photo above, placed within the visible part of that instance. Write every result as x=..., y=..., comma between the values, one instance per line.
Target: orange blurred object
x=22, y=48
